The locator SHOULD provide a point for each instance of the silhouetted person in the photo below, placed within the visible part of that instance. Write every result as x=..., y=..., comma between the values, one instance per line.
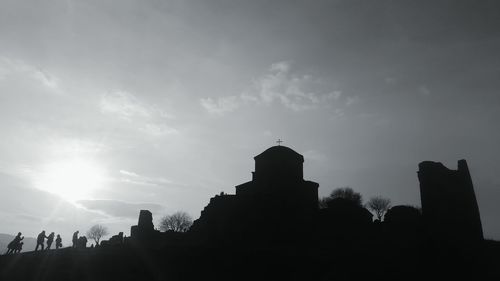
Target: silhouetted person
x=75, y=239
x=82, y=242
x=58, y=241
x=40, y=240
x=19, y=247
x=50, y=239
x=14, y=243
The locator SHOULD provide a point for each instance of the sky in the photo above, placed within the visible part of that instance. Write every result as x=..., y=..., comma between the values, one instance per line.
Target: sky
x=110, y=107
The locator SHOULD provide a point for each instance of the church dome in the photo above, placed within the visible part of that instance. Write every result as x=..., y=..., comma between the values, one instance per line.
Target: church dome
x=279, y=163
x=281, y=152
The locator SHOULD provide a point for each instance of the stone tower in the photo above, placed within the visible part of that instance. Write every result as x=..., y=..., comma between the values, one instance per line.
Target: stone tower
x=449, y=206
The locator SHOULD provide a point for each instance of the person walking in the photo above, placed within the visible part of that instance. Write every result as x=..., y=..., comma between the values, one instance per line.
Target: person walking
x=58, y=242
x=14, y=244
x=50, y=239
x=82, y=242
x=19, y=247
x=75, y=239
x=40, y=240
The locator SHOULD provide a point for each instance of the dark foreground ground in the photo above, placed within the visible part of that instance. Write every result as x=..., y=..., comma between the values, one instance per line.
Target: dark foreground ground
x=224, y=262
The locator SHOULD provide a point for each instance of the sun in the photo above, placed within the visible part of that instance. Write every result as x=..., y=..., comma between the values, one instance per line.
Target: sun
x=72, y=179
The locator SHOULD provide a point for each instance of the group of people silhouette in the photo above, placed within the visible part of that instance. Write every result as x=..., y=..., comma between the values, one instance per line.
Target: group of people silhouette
x=40, y=241
x=79, y=242
x=15, y=246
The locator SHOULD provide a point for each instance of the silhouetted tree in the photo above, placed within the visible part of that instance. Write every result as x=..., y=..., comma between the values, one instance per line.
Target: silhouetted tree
x=403, y=215
x=96, y=232
x=379, y=206
x=345, y=193
x=178, y=222
x=323, y=202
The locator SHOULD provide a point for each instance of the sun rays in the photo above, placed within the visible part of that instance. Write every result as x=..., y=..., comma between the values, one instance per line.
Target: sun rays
x=72, y=179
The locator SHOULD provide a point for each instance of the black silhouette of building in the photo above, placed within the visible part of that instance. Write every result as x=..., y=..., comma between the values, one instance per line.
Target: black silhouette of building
x=279, y=177
x=144, y=231
x=449, y=206
x=114, y=240
x=276, y=203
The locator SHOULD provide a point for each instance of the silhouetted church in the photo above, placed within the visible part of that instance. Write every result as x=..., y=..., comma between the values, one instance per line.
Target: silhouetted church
x=277, y=200
x=278, y=177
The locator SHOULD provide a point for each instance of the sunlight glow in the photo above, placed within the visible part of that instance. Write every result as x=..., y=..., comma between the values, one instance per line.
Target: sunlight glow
x=72, y=179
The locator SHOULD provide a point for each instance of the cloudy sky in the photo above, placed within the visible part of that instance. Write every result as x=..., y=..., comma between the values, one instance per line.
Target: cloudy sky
x=109, y=107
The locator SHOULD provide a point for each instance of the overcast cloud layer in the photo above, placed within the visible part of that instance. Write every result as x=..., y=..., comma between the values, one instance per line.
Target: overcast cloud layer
x=168, y=101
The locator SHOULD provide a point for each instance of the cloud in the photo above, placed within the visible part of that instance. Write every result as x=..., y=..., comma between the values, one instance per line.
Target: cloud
x=124, y=105
x=220, y=105
x=131, y=177
x=351, y=100
x=293, y=91
x=315, y=155
x=283, y=66
x=12, y=67
x=144, y=117
x=46, y=79
x=127, y=173
x=158, y=130
x=119, y=209
x=281, y=85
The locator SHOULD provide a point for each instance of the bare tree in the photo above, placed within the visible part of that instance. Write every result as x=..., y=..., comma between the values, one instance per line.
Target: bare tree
x=96, y=232
x=178, y=222
x=379, y=206
x=323, y=202
x=346, y=193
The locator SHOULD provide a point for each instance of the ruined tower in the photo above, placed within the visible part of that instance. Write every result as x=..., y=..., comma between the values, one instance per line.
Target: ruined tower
x=144, y=228
x=449, y=206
